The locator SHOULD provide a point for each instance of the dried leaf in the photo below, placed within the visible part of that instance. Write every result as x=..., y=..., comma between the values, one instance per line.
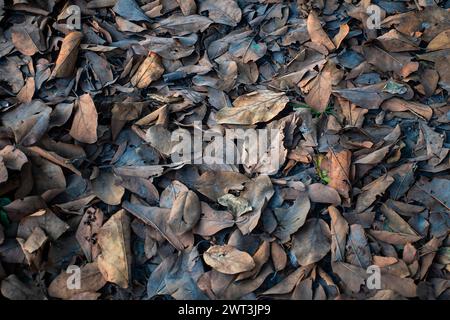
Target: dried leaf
x=114, y=261
x=312, y=242
x=68, y=55
x=228, y=260
x=84, y=125
x=150, y=70
x=258, y=106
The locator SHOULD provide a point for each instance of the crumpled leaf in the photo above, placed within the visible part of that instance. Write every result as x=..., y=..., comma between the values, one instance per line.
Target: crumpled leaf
x=237, y=206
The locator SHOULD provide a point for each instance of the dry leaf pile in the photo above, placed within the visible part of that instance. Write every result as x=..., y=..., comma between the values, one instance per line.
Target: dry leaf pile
x=86, y=177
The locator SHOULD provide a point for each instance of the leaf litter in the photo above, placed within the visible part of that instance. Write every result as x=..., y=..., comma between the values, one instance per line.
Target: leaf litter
x=86, y=179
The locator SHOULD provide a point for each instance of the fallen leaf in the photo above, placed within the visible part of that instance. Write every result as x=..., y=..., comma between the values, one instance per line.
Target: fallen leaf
x=67, y=56
x=312, y=242
x=258, y=106
x=107, y=188
x=91, y=280
x=339, y=231
x=84, y=125
x=371, y=191
x=228, y=260
x=225, y=12
x=149, y=70
x=114, y=262
x=316, y=32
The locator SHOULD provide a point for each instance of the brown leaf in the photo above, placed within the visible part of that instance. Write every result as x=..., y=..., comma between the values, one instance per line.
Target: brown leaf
x=394, y=238
x=14, y=289
x=340, y=171
x=157, y=218
x=225, y=12
x=258, y=192
x=91, y=280
x=68, y=55
x=399, y=63
x=339, y=232
x=29, y=121
x=317, y=34
x=13, y=158
x=107, y=188
x=288, y=283
x=320, y=92
x=228, y=260
x=440, y=42
x=46, y=220
x=185, y=212
x=344, y=29
x=239, y=289
x=312, y=242
x=371, y=191
x=212, y=221
x=20, y=208
x=289, y=220
x=321, y=193
x=114, y=261
x=3, y=171
x=26, y=94
x=35, y=241
x=396, y=104
x=260, y=257
x=87, y=233
x=255, y=107
x=182, y=25
x=150, y=70
x=215, y=184
x=358, y=250
x=279, y=257
x=84, y=125
x=28, y=39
